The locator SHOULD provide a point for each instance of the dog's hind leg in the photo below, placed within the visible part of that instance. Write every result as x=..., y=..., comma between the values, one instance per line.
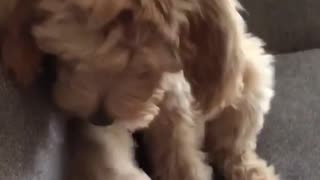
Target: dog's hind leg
x=231, y=142
x=231, y=137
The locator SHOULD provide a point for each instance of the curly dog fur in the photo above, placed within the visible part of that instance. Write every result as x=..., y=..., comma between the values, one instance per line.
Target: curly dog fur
x=185, y=69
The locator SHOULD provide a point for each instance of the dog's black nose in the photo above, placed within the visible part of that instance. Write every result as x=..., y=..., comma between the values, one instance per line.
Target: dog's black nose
x=101, y=118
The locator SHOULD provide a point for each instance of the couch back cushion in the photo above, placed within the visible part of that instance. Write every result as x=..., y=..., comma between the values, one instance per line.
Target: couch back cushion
x=285, y=25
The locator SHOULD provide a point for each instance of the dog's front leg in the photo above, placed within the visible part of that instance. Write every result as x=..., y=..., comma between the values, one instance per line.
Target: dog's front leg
x=174, y=139
x=105, y=153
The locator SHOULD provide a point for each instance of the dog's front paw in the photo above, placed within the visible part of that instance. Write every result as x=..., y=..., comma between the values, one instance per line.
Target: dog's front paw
x=252, y=172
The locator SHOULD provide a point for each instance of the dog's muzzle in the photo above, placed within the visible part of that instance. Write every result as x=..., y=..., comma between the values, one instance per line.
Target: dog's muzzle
x=101, y=118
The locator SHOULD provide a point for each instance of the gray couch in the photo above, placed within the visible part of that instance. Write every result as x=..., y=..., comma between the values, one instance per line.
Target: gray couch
x=32, y=134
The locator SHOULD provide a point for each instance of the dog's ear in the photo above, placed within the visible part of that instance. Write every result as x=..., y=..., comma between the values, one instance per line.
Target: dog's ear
x=21, y=58
x=210, y=53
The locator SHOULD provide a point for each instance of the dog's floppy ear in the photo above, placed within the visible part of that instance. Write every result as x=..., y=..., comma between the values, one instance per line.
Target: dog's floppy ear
x=20, y=56
x=210, y=54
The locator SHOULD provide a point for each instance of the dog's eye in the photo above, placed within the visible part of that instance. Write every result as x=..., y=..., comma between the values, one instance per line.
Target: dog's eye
x=125, y=16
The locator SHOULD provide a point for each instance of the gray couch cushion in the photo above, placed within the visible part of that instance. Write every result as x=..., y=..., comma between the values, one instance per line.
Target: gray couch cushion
x=32, y=138
x=291, y=136
x=286, y=25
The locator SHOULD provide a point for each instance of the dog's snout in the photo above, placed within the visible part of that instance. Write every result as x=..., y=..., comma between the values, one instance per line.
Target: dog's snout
x=101, y=118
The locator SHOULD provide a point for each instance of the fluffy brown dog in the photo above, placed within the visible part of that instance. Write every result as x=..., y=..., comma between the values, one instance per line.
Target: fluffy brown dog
x=125, y=56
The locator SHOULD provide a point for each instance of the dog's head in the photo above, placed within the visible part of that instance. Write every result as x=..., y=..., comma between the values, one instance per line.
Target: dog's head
x=111, y=55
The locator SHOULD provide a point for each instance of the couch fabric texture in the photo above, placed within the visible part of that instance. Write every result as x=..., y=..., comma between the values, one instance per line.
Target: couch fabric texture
x=286, y=25
x=32, y=133
x=291, y=137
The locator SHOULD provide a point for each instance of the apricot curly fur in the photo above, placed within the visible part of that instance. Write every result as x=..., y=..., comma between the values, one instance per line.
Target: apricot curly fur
x=185, y=70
